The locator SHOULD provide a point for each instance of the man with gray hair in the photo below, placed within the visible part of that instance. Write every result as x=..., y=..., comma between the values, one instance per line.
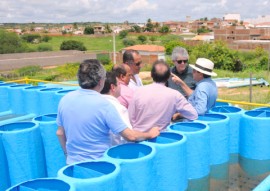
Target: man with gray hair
x=182, y=70
x=85, y=118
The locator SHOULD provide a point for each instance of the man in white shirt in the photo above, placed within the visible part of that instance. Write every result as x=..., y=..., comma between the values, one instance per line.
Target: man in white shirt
x=134, y=60
x=111, y=91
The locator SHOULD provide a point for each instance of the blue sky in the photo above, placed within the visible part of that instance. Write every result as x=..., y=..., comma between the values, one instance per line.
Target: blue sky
x=56, y=11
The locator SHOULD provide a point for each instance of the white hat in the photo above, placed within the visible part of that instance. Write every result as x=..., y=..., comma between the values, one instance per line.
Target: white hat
x=204, y=66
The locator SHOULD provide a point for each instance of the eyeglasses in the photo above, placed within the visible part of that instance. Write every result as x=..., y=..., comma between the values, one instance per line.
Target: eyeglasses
x=138, y=63
x=181, y=61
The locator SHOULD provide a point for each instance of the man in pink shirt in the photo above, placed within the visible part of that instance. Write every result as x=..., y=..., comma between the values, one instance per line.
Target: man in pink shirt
x=155, y=104
x=123, y=73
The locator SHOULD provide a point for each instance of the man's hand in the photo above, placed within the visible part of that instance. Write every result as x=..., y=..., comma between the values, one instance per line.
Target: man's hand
x=176, y=79
x=154, y=132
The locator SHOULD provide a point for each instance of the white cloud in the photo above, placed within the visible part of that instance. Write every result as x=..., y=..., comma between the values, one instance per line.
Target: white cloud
x=141, y=5
x=122, y=10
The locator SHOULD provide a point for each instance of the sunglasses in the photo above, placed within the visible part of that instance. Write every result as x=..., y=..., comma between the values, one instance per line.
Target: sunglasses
x=181, y=61
x=138, y=63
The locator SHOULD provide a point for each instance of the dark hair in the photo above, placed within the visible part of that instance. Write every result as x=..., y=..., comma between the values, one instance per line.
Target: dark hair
x=128, y=56
x=206, y=76
x=90, y=73
x=119, y=70
x=110, y=79
x=160, y=76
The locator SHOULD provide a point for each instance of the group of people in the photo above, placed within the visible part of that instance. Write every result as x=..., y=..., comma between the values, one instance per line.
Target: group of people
x=113, y=107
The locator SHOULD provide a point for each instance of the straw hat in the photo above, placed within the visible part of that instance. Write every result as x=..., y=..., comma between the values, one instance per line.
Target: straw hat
x=204, y=66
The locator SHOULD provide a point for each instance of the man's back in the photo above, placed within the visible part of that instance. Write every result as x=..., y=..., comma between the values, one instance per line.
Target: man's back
x=155, y=104
x=87, y=118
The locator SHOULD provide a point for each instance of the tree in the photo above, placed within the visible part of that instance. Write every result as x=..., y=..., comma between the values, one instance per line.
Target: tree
x=142, y=39
x=136, y=28
x=11, y=43
x=31, y=38
x=46, y=38
x=123, y=34
x=164, y=29
x=149, y=26
x=108, y=28
x=88, y=30
x=75, y=25
x=72, y=45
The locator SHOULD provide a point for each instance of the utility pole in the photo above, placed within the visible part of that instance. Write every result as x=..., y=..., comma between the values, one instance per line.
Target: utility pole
x=114, y=54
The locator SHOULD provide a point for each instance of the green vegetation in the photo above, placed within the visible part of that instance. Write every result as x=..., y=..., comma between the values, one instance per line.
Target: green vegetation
x=31, y=38
x=88, y=30
x=142, y=39
x=11, y=43
x=72, y=45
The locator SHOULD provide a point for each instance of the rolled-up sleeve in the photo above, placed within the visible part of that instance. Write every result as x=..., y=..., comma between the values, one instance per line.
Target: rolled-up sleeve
x=185, y=108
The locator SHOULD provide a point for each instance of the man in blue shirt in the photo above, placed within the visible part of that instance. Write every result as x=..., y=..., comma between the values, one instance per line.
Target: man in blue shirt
x=203, y=98
x=85, y=118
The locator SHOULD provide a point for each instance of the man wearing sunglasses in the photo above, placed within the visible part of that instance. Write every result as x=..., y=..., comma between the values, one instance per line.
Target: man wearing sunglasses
x=134, y=60
x=181, y=69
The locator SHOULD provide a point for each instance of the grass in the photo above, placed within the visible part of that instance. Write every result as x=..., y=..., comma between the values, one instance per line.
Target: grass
x=102, y=43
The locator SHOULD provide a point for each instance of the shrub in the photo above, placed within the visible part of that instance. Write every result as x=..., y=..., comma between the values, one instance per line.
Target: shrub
x=11, y=43
x=123, y=34
x=128, y=42
x=88, y=30
x=46, y=38
x=31, y=38
x=72, y=45
x=44, y=48
x=142, y=39
x=28, y=70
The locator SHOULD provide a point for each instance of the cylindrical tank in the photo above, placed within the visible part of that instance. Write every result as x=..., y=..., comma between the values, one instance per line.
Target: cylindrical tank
x=30, y=97
x=61, y=93
x=24, y=151
x=95, y=175
x=16, y=98
x=170, y=171
x=43, y=184
x=4, y=174
x=54, y=156
x=219, y=137
x=222, y=104
x=254, y=135
x=4, y=101
x=47, y=100
x=235, y=114
x=136, y=163
x=198, y=148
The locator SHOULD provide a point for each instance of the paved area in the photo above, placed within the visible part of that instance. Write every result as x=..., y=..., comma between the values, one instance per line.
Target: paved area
x=18, y=60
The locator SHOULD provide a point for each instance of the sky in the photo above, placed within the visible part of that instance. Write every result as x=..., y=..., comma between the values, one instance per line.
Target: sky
x=133, y=11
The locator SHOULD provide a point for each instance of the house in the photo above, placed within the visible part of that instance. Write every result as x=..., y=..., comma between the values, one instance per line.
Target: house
x=149, y=53
x=99, y=29
x=67, y=28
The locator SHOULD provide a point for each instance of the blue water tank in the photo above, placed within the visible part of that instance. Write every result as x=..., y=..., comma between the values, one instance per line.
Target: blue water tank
x=31, y=99
x=254, y=135
x=47, y=100
x=43, y=184
x=136, y=163
x=235, y=114
x=16, y=98
x=24, y=151
x=219, y=137
x=54, y=155
x=4, y=98
x=170, y=161
x=95, y=175
x=198, y=147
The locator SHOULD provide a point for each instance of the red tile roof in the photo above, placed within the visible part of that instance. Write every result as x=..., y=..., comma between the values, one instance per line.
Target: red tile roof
x=145, y=47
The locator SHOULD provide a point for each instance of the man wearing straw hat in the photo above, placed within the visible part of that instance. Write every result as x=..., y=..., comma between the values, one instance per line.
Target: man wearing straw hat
x=204, y=96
